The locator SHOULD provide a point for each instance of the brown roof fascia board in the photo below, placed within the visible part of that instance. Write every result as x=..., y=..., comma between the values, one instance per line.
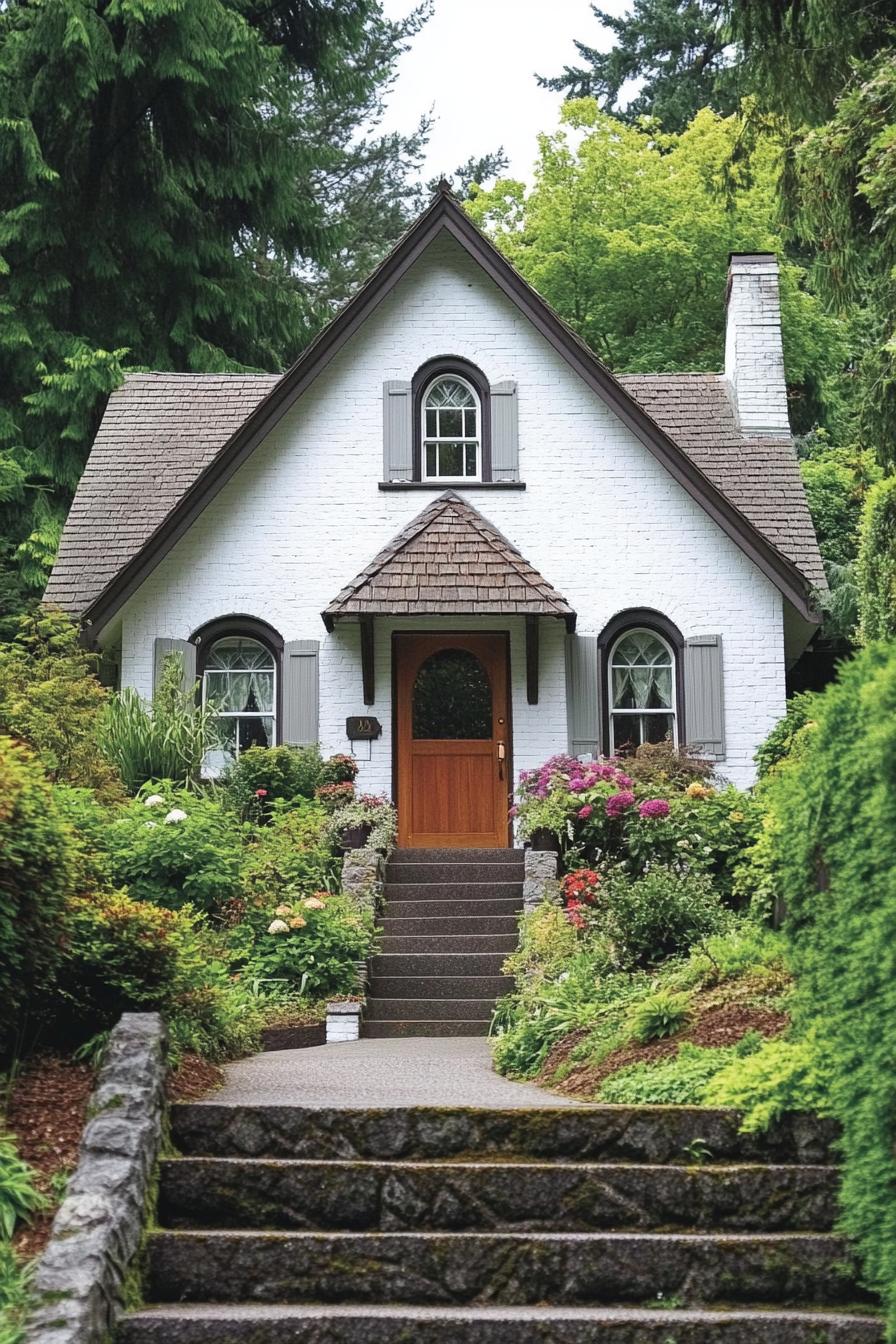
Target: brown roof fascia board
x=445, y=213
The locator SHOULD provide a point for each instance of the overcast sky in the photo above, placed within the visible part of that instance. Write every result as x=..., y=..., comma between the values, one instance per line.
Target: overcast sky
x=475, y=63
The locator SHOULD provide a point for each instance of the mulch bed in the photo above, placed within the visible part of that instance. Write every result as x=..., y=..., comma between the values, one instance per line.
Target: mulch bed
x=724, y=1024
x=46, y=1113
x=194, y=1078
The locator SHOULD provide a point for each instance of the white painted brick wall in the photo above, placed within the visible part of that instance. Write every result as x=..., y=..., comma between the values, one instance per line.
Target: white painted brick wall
x=600, y=518
x=754, y=352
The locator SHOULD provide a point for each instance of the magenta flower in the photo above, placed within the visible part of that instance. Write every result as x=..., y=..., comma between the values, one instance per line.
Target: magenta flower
x=617, y=803
x=585, y=812
x=577, y=785
x=654, y=807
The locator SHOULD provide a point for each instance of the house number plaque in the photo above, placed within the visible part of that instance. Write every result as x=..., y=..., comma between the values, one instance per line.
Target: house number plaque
x=362, y=728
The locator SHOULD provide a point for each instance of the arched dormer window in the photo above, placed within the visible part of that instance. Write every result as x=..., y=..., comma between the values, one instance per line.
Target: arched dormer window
x=238, y=663
x=452, y=410
x=643, y=682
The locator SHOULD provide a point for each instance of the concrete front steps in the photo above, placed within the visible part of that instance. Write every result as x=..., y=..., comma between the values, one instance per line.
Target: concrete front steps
x=433, y=1225
x=450, y=922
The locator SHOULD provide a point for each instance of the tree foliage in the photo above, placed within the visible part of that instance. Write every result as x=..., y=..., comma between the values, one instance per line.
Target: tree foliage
x=627, y=233
x=679, y=52
x=186, y=185
x=832, y=830
x=876, y=564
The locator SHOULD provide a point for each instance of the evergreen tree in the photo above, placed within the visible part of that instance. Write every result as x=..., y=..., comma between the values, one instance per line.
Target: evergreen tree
x=679, y=52
x=175, y=177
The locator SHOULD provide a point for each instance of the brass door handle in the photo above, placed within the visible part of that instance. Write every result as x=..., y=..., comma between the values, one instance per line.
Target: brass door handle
x=501, y=755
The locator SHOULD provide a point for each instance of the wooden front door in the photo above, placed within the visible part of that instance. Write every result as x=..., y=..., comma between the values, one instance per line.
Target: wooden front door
x=453, y=740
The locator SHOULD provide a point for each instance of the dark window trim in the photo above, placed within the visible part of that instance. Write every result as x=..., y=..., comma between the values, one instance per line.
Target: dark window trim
x=638, y=618
x=426, y=374
x=454, y=485
x=247, y=627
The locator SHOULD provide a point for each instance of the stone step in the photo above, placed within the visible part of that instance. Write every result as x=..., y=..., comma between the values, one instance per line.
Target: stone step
x=681, y=1135
x=401, y=986
x=378, y=1030
x=333, y=1324
x=401, y=873
x=391, y=944
x=511, y=1196
x=493, y=908
x=454, y=891
x=418, y=1010
x=402, y=856
x=398, y=926
x=436, y=964
x=512, y=1268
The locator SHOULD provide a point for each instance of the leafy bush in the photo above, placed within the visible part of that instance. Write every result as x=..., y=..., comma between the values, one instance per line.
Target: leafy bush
x=876, y=563
x=782, y=1076
x=833, y=859
x=282, y=773
x=339, y=769
x=547, y=941
x=779, y=742
x=167, y=739
x=678, y=1081
x=289, y=859
x=313, y=945
x=661, y=1014
x=51, y=698
x=370, y=810
x=14, y=1299
x=659, y=914
x=37, y=866
x=89, y=821
x=174, y=847
x=133, y=956
x=662, y=766
x=19, y=1196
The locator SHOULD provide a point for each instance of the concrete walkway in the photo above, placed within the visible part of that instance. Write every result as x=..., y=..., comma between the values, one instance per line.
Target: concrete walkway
x=411, y=1071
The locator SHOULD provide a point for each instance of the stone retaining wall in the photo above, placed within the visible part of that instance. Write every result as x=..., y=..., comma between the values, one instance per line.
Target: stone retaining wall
x=81, y=1276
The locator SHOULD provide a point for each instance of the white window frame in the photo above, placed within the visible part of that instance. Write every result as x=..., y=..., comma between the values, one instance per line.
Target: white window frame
x=242, y=714
x=640, y=713
x=426, y=439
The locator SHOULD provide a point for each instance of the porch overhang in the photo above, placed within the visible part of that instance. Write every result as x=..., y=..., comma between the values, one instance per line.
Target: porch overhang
x=450, y=561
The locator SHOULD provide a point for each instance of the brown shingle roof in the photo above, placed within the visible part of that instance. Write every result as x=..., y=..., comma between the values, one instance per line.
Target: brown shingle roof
x=449, y=561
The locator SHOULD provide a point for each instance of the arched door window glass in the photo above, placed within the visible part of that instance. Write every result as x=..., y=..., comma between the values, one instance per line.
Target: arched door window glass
x=239, y=680
x=452, y=697
x=452, y=438
x=642, y=691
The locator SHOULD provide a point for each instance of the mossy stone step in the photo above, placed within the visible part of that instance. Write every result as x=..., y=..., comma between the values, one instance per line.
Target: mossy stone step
x=511, y=1268
x=329, y=1324
x=457, y=1196
x=659, y=1134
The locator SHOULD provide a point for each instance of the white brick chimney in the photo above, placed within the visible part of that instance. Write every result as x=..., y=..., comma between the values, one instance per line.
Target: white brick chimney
x=754, y=353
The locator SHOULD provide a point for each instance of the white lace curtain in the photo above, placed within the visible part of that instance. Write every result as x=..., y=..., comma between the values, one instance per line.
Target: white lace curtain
x=239, y=677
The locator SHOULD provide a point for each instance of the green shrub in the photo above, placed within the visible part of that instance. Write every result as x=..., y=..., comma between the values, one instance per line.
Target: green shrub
x=547, y=941
x=876, y=563
x=89, y=821
x=51, y=698
x=339, y=769
x=659, y=914
x=782, y=1076
x=289, y=859
x=19, y=1195
x=313, y=946
x=678, y=1081
x=779, y=742
x=134, y=956
x=659, y=1015
x=519, y=1052
x=14, y=1298
x=167, y=739
x=833, y=859
x=282, y=773
x=37, y=867
x=174, y=847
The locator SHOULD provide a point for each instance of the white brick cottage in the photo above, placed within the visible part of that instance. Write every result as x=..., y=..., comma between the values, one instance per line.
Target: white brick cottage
x=448, y=518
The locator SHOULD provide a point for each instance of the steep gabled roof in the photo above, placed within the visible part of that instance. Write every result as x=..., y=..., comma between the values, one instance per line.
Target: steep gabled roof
x=449, y=561
x=444, y=215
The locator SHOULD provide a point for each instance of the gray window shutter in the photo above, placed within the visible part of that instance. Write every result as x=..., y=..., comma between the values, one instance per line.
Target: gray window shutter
x=505, y=432
x=704, y=700
x=582, y=695
x=398, y=436
x=301, y=693
x=187, y=651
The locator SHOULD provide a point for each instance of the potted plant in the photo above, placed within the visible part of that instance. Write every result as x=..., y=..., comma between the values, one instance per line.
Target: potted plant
x=543, y=822
x=366, y=822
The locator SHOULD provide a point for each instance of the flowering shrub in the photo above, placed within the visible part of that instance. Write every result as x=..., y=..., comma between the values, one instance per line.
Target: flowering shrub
x=339, y=769
x=580, y=895
x=370, y=810
x=264, y=776
x=335, y=795
x=313, y=945
x=290, y=858
x=602, y=814
x=174, y=847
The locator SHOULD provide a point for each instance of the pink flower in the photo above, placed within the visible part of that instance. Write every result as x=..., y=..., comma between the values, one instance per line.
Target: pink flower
x=654, y=807
x=514, y=812
x=585, y=812
x=261, y=793
x=617, y=803
x=577, y=785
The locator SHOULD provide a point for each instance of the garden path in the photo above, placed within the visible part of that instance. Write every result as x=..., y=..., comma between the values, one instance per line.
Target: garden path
x=410, y=1071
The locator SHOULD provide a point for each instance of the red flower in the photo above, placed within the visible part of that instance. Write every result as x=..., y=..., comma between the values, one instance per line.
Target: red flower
x=261, y=793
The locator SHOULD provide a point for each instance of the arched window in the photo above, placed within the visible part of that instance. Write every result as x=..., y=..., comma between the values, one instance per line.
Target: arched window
x=642, y=690
x=238, y=666
x=451, y=430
